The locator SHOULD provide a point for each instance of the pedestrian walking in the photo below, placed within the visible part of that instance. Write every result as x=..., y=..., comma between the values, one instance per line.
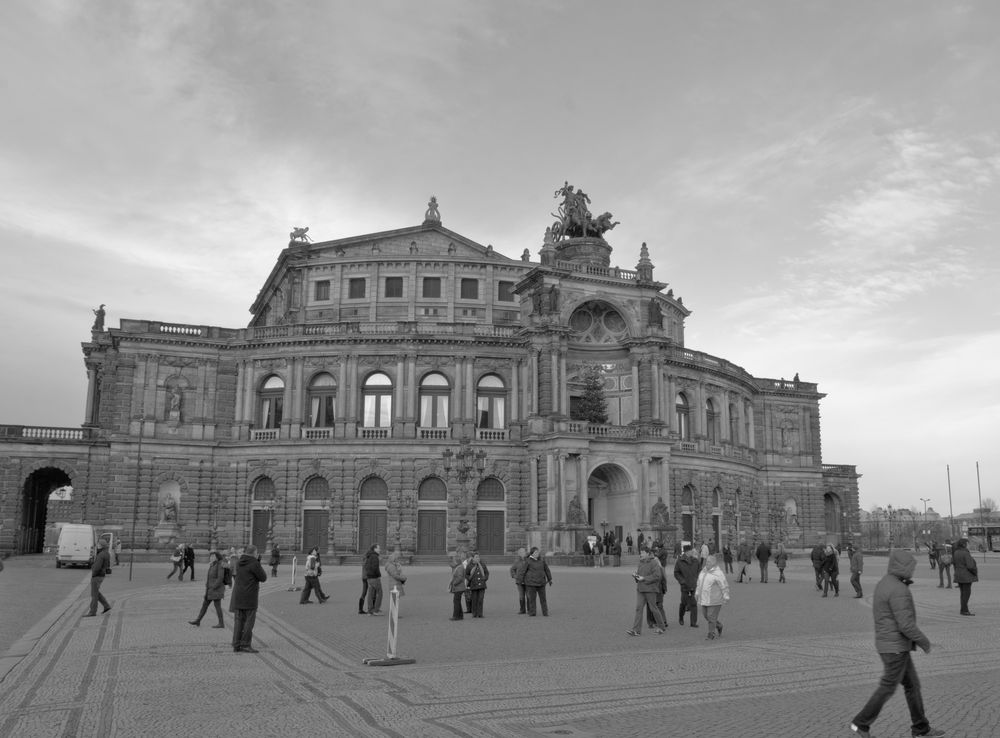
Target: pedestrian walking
x=966, y=572
x=647, y=576
x=616, y=551
x=743, y=557
x=727, y=558
x=118, y=551
x=177, y=562
x=312, y=573
x=476, y=574
x=945, y=560
x=686, y=573
x=98, y=570
x=188, y=557
x=275, y=559
x=831, y=570
x=857, y=566
x=246, y=588
x=373, y=575
x=215, y=588
x=711, y=593
x=659, y=555
x=394, y=570
x=781, y=561
x=517, y=574
x=536, y=577
x=628, y=543
x=763, y=557
x=817, y=555
x=896, y=635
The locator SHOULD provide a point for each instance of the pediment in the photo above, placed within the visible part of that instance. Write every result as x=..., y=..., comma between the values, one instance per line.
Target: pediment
x=426, y=241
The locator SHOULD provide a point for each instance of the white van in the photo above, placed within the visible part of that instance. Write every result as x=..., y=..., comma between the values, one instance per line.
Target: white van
x=77, y=545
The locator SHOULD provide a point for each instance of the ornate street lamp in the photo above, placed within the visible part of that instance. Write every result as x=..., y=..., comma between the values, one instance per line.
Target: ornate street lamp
x=464, y=463
x=754, y=508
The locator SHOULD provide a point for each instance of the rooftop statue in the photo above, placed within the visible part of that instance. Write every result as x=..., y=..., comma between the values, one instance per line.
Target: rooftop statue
x=98, y=319
x=299, y=235
x=432, y=215
x=574, y=219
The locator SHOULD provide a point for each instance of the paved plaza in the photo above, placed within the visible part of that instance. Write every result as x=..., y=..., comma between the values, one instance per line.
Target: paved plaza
x=790, y=663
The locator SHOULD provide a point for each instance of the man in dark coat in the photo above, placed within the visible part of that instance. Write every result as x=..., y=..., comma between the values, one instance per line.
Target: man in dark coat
x=373, y=575
x=188, y=562
x=763, y=557
x=246, y=586
x=896, y=635
x=99, y=569
x=966, y=572
x=686, y=573
x=818, y=555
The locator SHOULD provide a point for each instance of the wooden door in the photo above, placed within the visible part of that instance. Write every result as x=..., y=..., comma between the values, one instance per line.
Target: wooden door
x=432, y=532
x=315, y=524
x=371, y=529
x=490, y=532
x=258, y=530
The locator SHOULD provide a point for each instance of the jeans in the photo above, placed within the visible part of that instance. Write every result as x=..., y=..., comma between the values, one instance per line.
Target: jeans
x=311, y=584
x=830, y=582
x=711, y=614
x=96, y=596
x=763, y=571
x=204, y=609
x=856, y=582
x=964, y=592
x=538, y=592
x=522, y=596
x=646, y=600
x=478, y=595
x=456, y=606
x=364, y=595
x=243, y=622
x=689, y=604
x=898, y=669
x=374, y=600
x=942, y=570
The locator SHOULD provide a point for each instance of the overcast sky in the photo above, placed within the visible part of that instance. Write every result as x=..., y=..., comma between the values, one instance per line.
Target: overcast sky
x=817, y=180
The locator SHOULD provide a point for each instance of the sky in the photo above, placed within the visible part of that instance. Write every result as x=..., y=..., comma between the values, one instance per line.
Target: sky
x=819, y=181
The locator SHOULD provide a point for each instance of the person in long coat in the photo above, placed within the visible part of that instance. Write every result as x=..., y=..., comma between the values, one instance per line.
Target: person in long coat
x=476, y=574
x=215, y=588
x=831, y=570
x=394, y=570
x=966, y=572
x=457, y=587
x=517, y=574
x=246, y=587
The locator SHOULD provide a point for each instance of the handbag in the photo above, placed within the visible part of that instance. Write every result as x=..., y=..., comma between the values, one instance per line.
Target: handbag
x=176, y=558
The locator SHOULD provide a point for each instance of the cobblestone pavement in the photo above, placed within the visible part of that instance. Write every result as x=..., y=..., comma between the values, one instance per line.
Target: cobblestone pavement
x=791, y=663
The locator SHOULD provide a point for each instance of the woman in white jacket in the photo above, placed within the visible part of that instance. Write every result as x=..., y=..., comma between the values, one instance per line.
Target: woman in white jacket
x=712, y=593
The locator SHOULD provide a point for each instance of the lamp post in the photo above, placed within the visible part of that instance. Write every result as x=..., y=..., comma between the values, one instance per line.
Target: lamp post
x=890, y=515
x=464, y=462
x=775, y=516
x=269, y=541
x=754, y=508
x=925, y=530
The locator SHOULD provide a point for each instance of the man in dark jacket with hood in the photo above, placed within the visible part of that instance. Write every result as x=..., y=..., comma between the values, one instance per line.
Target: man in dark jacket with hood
x=373, y=575
x=686, y=573
x=100, y=568
x=246, y=586
x=896, y=634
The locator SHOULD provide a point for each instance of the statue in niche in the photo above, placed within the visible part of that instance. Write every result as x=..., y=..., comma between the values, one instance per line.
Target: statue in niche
x=791, y=513
x=175, y=397
x=575, y=514
x=98, y=319
x=659, y=517
x=655, y=314
x=169, y=510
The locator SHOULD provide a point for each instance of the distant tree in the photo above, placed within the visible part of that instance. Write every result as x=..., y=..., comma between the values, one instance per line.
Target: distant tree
x=592, y=406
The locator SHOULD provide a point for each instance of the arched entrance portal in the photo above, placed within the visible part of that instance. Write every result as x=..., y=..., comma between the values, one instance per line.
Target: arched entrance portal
x=38, y=486
x=611, y=500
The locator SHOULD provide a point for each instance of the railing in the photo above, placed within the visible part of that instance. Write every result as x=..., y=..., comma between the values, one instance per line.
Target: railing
x=263, y=434
x=491, y=434
x=599, y=271
x=434, y=434
x=317, y=434
x=44, y=433
x=375, y=434
x=630, y=432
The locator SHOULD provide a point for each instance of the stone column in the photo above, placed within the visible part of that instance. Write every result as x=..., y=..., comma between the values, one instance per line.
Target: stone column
x=533, y=490
x=657, y=389
x=644, y=491
x=635, y=387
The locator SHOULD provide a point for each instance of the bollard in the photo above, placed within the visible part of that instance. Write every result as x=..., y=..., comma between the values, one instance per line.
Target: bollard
x=293, y=588
x=390, y=656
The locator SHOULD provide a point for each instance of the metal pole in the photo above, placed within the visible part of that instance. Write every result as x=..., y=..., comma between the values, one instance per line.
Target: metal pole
x=982, y=519
x=951, y=511
x=138, y=480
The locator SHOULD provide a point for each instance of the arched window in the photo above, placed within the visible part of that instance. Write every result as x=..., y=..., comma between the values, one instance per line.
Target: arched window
x=322, y=398
x=490, y=490
x=434, y=396
x=432, y=489
x=687, y=496
x=317, y=488
x=711, y=421
x=682, y=416
x=263, y=489
x=272, y=398
x=374, y=488
x=491, y=396
x=378, y=401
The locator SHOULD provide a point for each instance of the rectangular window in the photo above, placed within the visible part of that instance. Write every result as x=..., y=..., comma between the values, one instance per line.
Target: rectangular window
x=470, y=289
x=393, y=286
x=378, y=411
x=356, y=288
x=505, y=292
x=321, y=411
x=434, y=411
x=270, y=412
x=323, y=290
x=432, y=287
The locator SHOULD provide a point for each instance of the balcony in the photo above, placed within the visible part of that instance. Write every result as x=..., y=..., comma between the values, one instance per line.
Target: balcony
x=491, y=434
x=433, y=434
x=375, y=434
x=263, y=434
x=317, y=434
x=45, y=433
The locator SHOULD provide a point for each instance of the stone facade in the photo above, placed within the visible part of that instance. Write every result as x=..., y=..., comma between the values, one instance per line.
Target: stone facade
x=417, y=388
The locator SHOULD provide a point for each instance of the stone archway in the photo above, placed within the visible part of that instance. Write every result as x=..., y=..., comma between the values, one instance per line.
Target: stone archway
x=30, y=535
x=611, y=500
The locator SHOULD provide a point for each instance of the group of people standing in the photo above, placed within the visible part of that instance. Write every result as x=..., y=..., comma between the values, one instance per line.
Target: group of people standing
x=244, y=574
